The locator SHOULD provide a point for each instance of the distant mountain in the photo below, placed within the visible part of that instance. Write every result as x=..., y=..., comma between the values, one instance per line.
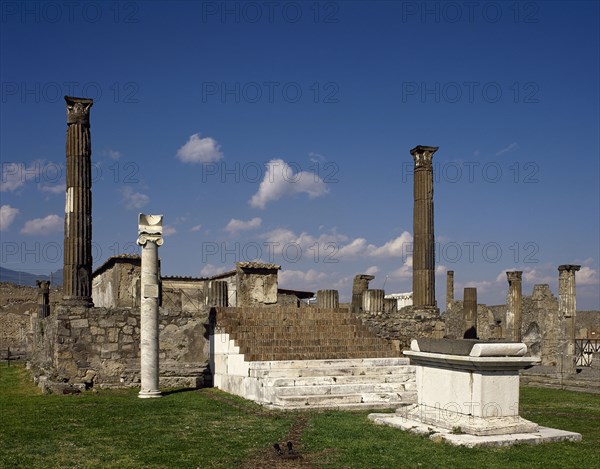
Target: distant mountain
x=28, y=279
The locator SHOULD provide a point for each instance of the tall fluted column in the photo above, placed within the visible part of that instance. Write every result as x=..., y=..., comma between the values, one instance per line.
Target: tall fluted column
x=470, y=313
x=77, y=272
x=149, y=237
x=423, y=228
x=513, y=305
x=567, y=309
x=449, y=289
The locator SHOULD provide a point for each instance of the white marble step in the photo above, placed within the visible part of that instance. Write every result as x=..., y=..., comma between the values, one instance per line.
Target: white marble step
x=340, y=379
x=348, y=400
x=337, y=363
x=344, y=389
x=331, y=371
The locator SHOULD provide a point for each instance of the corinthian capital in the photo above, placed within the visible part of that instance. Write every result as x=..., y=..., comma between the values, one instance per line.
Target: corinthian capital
x=423, y=156
x=78, y=110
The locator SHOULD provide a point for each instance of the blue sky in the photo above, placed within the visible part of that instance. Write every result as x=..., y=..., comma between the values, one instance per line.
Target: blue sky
x=282, y=130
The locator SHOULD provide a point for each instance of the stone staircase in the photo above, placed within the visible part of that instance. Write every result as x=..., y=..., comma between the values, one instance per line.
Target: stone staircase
x=295, y=358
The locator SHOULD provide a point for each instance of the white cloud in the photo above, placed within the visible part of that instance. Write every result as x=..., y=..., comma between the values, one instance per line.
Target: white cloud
x=482, y=287
x=354, y=248
x=403, y=272
x=316, y=157
x=235, y=226
x=134, y=200
x=372, y=270
x=546, y=273
x=587, y=276
x=7, y=216
x=200, y=150
x=114, y=154
x=49, y=189
x=513, y=146
x=209, y=270
x=282, y=180
x=298, y=279
x=169, y=230
x=339, y=247
x=397, y=247
x=42, y=226
x=196, y=228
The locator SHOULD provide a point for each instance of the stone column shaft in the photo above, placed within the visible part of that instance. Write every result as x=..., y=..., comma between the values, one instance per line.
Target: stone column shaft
x=359, y=285
x=218, y=293
x=77, y=270
x=449, y=289
x=328, y=299
x=423, y=228
x=390, y=305
x=43, y=298
x=470, y=313
x=373, y=301
x=513, y=306
x=567, y=308
x=150, y=237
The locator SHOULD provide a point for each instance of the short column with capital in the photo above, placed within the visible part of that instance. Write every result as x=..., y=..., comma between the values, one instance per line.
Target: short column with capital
x=149, y=237
x=567, y=309
x=513, y=305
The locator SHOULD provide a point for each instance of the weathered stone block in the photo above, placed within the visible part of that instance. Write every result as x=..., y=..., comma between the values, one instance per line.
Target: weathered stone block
x=75, y=323
x=126, y=338
x=113, y=334
x=110, y=347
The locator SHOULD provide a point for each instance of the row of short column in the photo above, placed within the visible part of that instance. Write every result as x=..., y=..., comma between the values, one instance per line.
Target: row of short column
x=567, y=309
x=372, y=301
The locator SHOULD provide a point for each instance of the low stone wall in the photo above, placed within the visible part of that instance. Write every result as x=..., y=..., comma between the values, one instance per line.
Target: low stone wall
x=405, y=324
x=98, y=346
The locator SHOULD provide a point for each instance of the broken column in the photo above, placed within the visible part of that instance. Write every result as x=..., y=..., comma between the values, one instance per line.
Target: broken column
x=449, y=289
x=149, y=237
x=359, y=286
x=217, y=293
x=77, y=271
x=567, y=309
x=423, y=228
x=43, y=298
x=373, y=301
x=328, y=299
x=470, y=313
x=390, y=305
x=513, y=306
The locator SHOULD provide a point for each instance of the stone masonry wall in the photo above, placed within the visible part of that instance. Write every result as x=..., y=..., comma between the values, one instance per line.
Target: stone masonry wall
x=405, y=324
x=99, y=346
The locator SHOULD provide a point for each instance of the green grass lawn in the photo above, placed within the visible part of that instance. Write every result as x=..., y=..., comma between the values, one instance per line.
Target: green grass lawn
x=211, y=429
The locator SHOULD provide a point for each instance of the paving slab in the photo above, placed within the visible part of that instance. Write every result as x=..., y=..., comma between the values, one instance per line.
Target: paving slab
x=541, y=435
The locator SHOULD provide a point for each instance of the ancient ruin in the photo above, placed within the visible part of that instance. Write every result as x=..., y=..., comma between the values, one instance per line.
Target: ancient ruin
x=77, y=283
x=513, y=306
x=284, y=348
x=423, y=231
x=568, y=310
x=150, y=238
x=478, y=405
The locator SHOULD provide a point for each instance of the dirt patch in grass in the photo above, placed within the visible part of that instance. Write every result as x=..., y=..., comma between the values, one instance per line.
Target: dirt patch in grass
x=268, y=457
